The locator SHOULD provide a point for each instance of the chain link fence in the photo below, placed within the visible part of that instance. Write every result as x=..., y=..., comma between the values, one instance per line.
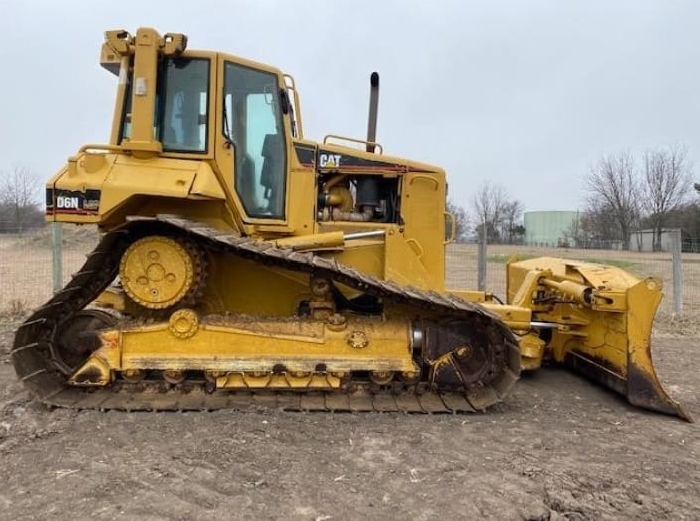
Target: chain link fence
x=28, y=271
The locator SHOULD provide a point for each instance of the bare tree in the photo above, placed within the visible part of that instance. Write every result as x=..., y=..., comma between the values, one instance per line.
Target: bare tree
x=665, y=186
x=18, y=204
x=510, y=225
x=592, y=228
x=575, y=234
x=613, y=193
x=461, y=221
x=489, y=204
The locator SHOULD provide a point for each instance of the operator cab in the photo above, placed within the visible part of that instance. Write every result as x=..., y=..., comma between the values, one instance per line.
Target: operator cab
x=205, y=104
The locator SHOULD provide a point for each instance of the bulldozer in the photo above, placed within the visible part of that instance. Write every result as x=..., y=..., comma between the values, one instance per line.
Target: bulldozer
x=241, y=264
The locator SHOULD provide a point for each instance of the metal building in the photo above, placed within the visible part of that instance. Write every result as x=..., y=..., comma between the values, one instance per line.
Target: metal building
x=643, y=240
x=548, y=228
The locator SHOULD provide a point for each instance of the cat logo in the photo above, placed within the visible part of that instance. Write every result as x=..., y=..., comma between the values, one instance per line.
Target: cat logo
x=329, y=160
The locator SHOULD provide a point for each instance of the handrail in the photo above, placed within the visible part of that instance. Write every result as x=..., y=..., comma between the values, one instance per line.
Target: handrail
x=353, y=140
x=94, y=146
x=290, y=85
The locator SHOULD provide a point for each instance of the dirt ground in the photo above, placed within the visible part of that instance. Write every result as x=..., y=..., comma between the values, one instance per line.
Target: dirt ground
x=558, y=448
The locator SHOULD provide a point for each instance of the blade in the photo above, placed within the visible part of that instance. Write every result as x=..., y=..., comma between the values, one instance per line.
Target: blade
x=637, y=380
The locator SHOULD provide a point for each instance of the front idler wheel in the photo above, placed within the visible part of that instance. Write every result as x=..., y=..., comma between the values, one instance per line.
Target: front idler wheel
x=76, y=338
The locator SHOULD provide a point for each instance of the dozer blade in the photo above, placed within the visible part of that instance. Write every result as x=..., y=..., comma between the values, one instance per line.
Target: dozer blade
x=597, y=320
x=636, y=378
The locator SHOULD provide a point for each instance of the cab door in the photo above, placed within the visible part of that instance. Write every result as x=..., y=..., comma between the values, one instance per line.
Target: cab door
x=253, y=150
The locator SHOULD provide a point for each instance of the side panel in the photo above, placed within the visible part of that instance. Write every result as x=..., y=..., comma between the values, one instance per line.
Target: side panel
x=423, y=211
x=101, y=188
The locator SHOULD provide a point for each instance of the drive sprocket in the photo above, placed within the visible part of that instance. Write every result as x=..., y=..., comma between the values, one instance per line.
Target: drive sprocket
x=159, y=272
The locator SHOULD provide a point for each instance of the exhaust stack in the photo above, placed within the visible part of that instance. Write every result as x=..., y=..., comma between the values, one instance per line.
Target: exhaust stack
x=373, y=109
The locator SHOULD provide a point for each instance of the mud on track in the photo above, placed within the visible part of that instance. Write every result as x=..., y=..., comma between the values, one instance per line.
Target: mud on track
x=558, y=448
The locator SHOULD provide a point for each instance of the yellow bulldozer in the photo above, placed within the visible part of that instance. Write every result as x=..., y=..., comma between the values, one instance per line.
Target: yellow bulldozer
x=241, y=263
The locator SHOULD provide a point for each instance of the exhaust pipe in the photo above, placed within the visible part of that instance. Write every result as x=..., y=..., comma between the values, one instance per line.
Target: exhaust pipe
x=373, y=109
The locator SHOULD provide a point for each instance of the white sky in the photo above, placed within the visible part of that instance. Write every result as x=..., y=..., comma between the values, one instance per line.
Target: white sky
x=527, y=94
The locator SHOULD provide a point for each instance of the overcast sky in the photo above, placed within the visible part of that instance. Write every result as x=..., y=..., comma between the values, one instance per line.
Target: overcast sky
x=527, y=94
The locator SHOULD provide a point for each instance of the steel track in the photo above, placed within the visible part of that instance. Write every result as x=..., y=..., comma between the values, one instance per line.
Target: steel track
x=35, y=361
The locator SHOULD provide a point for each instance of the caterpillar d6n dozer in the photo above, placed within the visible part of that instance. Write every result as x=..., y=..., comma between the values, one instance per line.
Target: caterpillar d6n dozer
x=241, y=263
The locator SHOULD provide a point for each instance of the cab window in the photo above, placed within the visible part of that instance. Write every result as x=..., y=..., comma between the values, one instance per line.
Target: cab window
x=184, y=105
x=180, y=119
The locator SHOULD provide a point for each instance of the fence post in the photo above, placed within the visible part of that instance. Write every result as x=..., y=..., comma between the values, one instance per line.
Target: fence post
x=57, y=255
x=677, y=273
x=481, y=262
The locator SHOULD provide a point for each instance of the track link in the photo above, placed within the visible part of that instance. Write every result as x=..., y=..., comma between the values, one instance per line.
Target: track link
x=36, y=364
